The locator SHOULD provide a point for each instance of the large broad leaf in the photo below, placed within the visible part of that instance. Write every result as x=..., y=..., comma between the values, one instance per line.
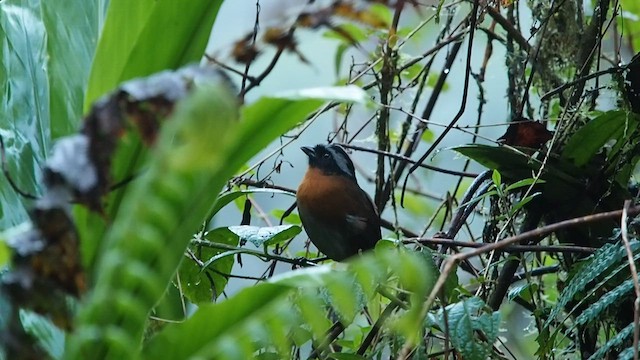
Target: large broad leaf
x=25, y=93
x=213, y=321
x=563, y=183
x=564, y=190
x=72, y=29
x=226, y=198
x=508, y=162
x=45, y=51
x=588, y=141
x=517, y=165
x=139, y=38
x=146, y=36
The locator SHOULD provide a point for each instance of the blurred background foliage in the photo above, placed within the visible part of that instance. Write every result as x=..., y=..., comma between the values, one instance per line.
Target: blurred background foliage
x=195, y=254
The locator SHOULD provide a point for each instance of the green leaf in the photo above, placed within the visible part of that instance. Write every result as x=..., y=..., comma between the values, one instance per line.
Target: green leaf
x=525, y=291
x=598, y=263
x=225, y=198
x=268, y=118
x=515, y=166
x=630, y=24
x=345, y=295
x=25, y=120
x=265, y=317
x=481, y=197
x=520, y=204
x=72, y=29
x=428, y=136
x=211, y=321
x=510, y=163
x=265, y=236
x=204, y=283
x=452, y=284
x=312, y=277
x=497, y=181
x=622, y=336
x=382, y=13
x=44, y=63
x=414, y=272
x=611, y=297
x=48, y=336
x=146, y=36
x=356, y=32
x=139, y=38
x=434, y=271
x=463, y=321
x=292, y=218
x=411, y=73
x=524, y=183
x=589, y=139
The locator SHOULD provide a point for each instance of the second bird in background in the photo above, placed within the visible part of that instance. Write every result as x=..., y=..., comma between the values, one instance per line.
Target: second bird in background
x=338, y=216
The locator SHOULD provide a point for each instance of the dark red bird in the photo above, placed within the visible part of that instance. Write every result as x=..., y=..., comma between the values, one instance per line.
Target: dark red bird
x=338, y=216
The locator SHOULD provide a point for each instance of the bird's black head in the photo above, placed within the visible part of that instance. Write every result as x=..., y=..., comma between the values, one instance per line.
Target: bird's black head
x=331, y=160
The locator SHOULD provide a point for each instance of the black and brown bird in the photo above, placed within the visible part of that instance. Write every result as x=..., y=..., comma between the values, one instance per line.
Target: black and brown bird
x=338, y=216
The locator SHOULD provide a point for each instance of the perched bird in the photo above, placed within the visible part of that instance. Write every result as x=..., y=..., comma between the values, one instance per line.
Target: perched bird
x=338, y=216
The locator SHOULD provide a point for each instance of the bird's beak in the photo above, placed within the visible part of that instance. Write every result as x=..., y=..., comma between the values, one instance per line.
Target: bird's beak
x=309, y=151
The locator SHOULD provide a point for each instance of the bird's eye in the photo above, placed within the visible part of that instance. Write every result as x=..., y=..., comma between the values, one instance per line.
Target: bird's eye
x=326, y=156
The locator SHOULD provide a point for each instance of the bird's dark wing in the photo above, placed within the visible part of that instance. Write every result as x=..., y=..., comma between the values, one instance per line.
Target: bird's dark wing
x=364, y=222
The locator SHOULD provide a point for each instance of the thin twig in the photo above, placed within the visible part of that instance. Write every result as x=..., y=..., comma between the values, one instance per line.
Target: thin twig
x=546, y=230
x=535, y=272
x=509, y=249
x=375, y=329
x=258, y=79
x=404, y=158
x=334, y=331
x=509, y=28
x=634, y=274
x=256, y=26
x=465, y=93
x=256, y=253
x=262, y=184
x=563, y=87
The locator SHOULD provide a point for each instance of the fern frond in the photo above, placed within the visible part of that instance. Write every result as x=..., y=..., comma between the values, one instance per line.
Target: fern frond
x=622, y=336
x=599, y=262
x=611, y=297
x=626, y=354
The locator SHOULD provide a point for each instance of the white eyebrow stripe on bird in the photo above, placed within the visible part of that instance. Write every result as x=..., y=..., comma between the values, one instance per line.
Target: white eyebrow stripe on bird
x=342, y=160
